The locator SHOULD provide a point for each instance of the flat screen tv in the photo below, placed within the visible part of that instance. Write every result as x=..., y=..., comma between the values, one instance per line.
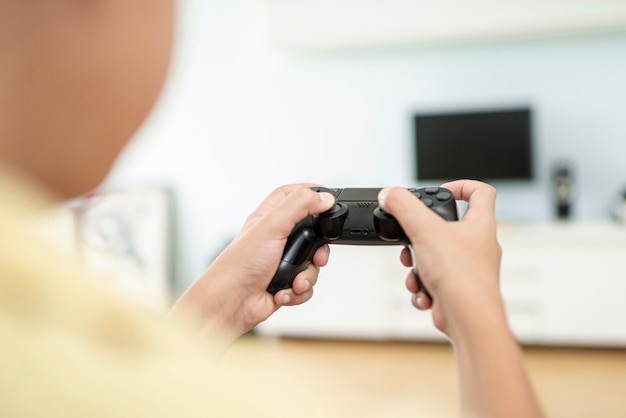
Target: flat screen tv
x=488, y=145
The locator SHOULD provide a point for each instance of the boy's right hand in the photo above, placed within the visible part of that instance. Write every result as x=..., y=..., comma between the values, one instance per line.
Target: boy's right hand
x=459, y=262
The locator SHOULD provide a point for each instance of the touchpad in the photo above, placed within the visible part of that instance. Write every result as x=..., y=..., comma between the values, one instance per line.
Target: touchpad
x=356, y=195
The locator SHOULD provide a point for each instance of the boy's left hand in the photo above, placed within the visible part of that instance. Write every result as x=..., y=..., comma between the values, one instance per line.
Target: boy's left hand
x=231, y=295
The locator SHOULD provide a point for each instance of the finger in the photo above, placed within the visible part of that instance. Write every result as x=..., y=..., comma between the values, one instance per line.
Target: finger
x=405, y=257
x=321, y=256
x=421, y=301
x=279, y=221
x=278, y=195
x=271, y=201
x=417, y=220
x=283, y=298
x=480, y=196
x=411, y=283
x=287, y=297
x=305, y=280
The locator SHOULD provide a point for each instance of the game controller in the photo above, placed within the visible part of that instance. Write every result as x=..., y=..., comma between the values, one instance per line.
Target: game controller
x=355, y=219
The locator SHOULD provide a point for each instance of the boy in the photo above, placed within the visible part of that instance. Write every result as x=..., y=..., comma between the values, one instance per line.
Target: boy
x=77, y=78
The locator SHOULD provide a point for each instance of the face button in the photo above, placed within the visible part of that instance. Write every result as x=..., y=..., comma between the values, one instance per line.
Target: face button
x=431, y=190
x=443, y=196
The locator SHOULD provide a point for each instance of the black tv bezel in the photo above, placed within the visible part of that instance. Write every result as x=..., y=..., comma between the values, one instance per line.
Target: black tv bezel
x=529, y=172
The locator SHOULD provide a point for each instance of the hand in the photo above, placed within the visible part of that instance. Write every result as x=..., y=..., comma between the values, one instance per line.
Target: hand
x=459, y=262
x=231, y=295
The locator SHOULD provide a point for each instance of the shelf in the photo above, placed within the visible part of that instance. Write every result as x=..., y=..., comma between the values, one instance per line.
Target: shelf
x=319, y=25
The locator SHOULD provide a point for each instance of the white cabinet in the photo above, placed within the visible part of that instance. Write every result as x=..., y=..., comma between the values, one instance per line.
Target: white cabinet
x=563, y=284
x=301, y=25
x=572, y=285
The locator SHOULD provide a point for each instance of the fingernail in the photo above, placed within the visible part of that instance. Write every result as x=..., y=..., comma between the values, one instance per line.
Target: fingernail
x=419, y=300
x=286, y=299
x=326, y=197
x=382, y=196
x=307, y=285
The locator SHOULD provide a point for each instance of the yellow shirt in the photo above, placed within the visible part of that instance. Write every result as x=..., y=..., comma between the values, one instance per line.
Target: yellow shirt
x=72, y=347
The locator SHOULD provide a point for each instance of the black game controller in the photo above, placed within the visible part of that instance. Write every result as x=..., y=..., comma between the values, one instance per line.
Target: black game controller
x=356, y=219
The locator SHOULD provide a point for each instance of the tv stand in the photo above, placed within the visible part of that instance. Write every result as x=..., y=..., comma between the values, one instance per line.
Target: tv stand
x=563, y=284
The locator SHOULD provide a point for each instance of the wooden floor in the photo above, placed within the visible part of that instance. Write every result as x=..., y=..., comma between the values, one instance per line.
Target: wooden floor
x=398, y=379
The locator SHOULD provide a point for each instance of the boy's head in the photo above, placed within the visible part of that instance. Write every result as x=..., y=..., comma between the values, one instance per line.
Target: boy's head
x=77, y=78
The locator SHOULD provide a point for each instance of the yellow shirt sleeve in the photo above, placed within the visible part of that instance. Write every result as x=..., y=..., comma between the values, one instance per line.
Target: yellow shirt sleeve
x=72, y=347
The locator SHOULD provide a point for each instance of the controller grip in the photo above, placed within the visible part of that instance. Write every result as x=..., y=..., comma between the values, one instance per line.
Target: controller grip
x=298, y=254
x=283, y=279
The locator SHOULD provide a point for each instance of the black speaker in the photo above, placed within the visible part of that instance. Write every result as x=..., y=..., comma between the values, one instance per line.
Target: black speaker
x=563, y=189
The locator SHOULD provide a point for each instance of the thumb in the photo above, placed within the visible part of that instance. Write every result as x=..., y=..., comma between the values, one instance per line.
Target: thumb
x=301, y=202
x=418, y=221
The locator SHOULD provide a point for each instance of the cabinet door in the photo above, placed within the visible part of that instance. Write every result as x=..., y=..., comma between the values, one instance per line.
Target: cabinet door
x=347, y=303
x=520, y=280
x=583, y=296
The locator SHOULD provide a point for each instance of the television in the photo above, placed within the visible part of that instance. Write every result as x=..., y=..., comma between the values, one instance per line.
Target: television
x=487, y=145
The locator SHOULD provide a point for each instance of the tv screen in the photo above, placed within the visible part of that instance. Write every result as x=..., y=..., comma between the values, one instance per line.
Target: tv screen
x=483, y=145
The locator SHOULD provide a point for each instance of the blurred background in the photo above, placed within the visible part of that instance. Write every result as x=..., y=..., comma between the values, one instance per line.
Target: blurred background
x=264, y=93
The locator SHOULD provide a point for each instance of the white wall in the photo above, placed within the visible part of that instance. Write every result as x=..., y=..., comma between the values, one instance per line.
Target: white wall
x=238, y=119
